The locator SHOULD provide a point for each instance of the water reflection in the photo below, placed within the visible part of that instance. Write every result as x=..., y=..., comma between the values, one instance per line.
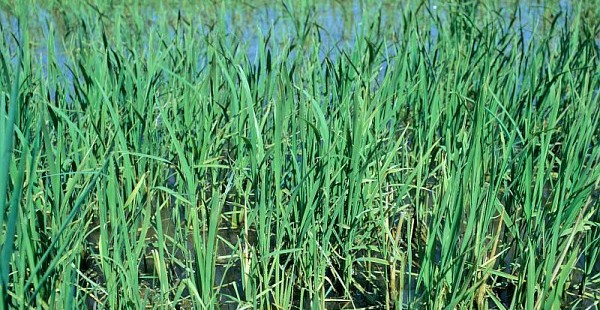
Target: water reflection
x=336, y=22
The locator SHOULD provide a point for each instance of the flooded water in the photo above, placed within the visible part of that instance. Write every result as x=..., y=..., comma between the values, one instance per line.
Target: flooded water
x=245, y=24
x=337, y=22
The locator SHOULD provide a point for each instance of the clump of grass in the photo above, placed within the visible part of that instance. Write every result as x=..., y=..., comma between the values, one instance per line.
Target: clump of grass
x=444, y=159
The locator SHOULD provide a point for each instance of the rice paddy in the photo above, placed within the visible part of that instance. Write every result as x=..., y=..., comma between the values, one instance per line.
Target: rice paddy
x=300, y=155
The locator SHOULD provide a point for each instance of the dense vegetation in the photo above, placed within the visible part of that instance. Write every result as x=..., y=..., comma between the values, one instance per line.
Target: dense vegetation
x=422, y=156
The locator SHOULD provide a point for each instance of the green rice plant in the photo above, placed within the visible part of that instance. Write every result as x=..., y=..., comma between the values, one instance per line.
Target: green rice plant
x=8, y=125
x=228, y=155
